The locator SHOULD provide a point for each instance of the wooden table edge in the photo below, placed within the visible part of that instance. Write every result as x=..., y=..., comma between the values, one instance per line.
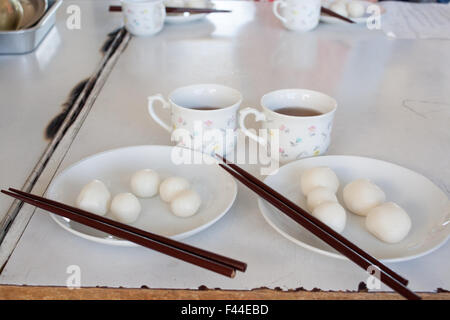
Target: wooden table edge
x=15, y=292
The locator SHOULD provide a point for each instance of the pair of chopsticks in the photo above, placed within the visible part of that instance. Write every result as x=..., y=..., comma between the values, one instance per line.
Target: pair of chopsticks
x=208, y=10
x=177, y=10
x=202, y=258
x=318, y=228
x=336, y=15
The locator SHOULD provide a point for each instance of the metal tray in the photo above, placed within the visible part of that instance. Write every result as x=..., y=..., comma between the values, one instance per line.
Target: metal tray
x=33, y=11
x=23, y=41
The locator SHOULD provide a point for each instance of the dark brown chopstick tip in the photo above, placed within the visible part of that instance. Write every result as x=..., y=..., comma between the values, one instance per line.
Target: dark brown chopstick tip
x=115, y=9
x=221, y=157
x=336, y=15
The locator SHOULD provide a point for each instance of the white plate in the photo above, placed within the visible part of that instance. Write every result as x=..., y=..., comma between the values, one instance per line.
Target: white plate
x=426, y=204
x=216, y=187
x=178, y=18
x=329, y=19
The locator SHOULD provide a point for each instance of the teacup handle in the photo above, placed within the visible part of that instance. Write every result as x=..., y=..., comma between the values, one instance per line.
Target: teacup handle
x=151, y=110
x=277, y=4
x=259, y=116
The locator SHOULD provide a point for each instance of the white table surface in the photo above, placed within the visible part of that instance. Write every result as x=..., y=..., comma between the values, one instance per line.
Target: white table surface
x=33, y=87
x=394, y=105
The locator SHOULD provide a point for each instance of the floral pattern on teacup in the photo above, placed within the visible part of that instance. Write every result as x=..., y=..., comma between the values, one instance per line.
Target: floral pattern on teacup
x=300, y=142
x=316, y=151
x=283, y=152
x=231, y=122
x=329, y=126
x=302, y=154
x=144, y=21
x=312, y=131
x=295, y=142
x=302, y=15
x=181, y=121
x=283, y=128
x=198, y=127
x=207, y=123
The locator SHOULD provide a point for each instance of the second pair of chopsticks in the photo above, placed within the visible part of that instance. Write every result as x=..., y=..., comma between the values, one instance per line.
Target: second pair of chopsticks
x=202, y=258
x=336, y=15
x=318, y=228
x=177, y=10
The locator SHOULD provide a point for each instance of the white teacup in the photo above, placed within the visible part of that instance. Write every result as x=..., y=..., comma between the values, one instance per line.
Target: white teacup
x=143, y=17
x=298, y=15
x=297, y=136
x=203, y=117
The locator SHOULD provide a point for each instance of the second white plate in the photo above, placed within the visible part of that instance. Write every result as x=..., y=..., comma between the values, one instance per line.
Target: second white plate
x=329, y=19
x=216, y=187
x=179, y=18
x=427, y=205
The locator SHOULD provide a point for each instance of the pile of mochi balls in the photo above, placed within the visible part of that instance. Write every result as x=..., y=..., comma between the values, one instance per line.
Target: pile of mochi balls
x=126, y=207
x=385, y=220
x=353, y=9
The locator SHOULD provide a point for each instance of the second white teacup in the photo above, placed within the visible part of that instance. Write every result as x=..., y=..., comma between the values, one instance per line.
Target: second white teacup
x=203, y=117
x=300, y=120
x=298, y=15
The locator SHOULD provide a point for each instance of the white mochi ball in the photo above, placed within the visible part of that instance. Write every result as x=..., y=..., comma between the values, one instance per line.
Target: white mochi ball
x=318, y=177
x=388, y=222
x=94, y=197
x=145, y=183
x=125, y=207
x=362, y=195
x=332, y=214
x=319, y=195
x=355, y=9
x=170, y=187
x=340, y=8
x=185, y=203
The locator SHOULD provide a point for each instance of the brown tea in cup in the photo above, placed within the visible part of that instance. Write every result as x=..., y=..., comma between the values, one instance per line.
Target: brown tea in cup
x=205, y=108
x=298, y=111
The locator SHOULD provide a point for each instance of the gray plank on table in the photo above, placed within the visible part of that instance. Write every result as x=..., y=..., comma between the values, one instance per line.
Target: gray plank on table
x=393, y=105
x=33, y=87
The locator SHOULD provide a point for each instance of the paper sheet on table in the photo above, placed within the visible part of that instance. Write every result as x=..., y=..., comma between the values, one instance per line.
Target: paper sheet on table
x=416, y=20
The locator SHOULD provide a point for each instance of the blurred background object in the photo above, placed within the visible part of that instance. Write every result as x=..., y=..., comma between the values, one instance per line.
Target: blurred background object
x=33, y=11
x=11, y=14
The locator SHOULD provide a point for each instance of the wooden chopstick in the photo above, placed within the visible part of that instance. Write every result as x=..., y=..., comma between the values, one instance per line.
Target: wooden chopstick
x=199, y=257
x=177, y=10
x=336, y=15
x=322, y=225
x=239, y=265
x=194, y=10
x=302, y=217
